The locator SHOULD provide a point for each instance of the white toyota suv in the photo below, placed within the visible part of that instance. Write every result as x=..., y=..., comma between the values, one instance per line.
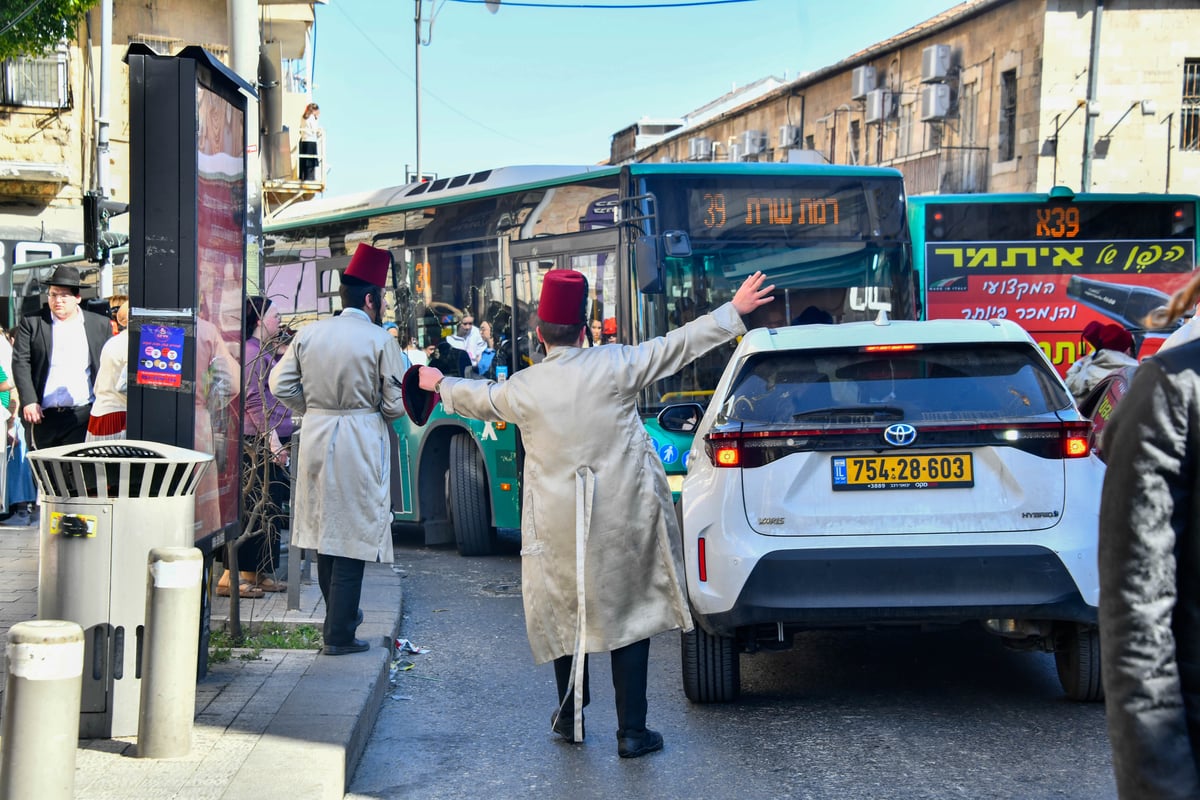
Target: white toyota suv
x=889, y=473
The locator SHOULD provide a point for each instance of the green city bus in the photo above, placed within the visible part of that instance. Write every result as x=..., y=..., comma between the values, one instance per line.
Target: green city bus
x=659, y=244
x=1055, y=261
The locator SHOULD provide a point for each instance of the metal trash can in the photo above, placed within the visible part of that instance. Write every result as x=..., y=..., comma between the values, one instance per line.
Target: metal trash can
x=105, y=504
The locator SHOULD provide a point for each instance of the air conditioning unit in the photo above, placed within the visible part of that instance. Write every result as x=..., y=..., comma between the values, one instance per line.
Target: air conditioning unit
x=935, y=63
x=753, y=142
x=879, y=106
x=699, y=148
x=935, y=101
x=862, y=80
x=789, y=136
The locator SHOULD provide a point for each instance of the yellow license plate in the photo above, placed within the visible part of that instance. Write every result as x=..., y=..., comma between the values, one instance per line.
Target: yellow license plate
x=941, y=471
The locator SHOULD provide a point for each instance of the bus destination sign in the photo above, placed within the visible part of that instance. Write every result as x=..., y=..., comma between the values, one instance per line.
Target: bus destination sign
x=752, y=213
x=1059, y=221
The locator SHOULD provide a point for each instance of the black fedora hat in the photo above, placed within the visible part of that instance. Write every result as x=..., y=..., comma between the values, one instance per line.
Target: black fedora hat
x=418, y=402
x=64, y=275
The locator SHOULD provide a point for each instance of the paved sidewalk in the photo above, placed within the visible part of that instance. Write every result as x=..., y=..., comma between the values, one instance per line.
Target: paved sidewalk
x=290, y=724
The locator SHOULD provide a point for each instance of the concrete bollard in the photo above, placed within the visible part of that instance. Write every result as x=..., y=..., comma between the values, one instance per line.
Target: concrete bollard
x=40, y=729
x=168, y=701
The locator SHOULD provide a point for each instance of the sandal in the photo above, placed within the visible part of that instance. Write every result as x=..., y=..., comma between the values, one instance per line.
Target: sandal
x=269, y=584
x=246, y=591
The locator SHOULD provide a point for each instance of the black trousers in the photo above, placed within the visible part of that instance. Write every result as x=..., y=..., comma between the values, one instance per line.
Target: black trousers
x=308, y=161
x=340, y=579
x=629, y=666
x=60, y=426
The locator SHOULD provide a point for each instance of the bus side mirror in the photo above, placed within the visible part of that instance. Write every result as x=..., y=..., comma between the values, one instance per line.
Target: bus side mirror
x=649, y=254
x=649, y=265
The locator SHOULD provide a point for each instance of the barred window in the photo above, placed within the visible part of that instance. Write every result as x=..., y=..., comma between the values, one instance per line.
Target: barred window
x=39, y=82
x=1189, y=119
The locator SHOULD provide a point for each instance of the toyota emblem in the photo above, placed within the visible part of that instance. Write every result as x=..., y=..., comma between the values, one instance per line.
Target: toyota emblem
x=900, y=435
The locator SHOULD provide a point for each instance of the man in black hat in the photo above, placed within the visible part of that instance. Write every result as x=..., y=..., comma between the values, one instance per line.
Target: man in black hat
x=55, y=359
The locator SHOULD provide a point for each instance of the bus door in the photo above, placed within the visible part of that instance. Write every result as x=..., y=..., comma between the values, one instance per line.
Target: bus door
x=594, y=253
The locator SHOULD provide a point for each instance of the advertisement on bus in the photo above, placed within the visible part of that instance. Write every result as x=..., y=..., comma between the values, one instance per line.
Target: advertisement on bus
x=1054, y=266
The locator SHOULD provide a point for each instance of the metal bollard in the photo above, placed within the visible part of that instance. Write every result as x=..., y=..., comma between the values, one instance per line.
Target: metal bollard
x=41, y=710
x=168, y=701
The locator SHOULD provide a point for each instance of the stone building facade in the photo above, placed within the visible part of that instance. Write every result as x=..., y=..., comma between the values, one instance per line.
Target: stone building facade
x=990, y=96
x=48, y=119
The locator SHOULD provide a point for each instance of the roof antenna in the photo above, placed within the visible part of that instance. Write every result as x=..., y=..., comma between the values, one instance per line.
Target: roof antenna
x=882, y=318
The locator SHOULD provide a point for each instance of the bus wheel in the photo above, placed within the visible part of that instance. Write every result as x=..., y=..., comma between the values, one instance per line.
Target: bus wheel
x=468, y=498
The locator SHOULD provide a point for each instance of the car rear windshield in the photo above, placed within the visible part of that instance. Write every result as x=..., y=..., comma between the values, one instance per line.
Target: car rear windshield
x=944, y=382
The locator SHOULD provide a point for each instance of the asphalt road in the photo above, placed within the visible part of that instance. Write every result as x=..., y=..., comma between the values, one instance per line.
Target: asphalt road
x=889, y=714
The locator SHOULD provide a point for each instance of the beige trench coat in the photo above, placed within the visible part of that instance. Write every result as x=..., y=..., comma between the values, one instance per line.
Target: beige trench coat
x=577, y=409
x=343, y=375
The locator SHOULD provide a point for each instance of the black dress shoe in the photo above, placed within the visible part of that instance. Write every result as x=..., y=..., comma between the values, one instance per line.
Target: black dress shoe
x=639, y=744
x=564, y=726
x=356, y=646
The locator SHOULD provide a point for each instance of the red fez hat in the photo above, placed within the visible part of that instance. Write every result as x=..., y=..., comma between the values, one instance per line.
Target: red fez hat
x=1091, y=333
x=610, y=326
x=564, y=297
x=418, y=403
x=1114, y=337
x=370, y=265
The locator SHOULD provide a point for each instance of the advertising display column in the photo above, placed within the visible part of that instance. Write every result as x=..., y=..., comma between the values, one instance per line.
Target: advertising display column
x=187, y=276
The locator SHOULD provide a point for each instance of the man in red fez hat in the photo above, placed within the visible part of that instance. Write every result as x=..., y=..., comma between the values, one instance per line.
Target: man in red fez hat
x=586, y=447
x=610, y=330
x=343, y=374
x=1113, y=349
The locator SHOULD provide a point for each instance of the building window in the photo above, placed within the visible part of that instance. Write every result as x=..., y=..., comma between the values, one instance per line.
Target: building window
x=967, y=110
x=810, y=142
x=1007, y=146
x=1189, y=120
x=852, y=151
x=38, y=82
x=904, y=130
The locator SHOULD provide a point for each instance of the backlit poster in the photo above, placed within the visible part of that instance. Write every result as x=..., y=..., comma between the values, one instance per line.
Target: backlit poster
x=220, y=265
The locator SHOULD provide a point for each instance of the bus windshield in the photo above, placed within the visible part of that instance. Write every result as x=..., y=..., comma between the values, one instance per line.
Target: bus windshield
x=836, y=248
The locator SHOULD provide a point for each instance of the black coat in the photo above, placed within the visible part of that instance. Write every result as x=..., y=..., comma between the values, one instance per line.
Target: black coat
x=31, y=351
x=1149, y=560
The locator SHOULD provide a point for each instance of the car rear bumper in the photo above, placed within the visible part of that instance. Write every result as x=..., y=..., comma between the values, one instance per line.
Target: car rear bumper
x=903, y=585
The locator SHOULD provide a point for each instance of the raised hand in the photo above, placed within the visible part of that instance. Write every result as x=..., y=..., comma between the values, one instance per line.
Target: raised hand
x=752, y=294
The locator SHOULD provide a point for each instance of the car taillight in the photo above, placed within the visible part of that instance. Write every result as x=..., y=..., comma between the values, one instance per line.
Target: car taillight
x=1076, y=439
x=1046, y=440
x=755, y=449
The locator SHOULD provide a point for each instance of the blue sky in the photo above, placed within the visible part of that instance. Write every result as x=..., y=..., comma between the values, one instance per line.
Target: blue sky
x=551, y=85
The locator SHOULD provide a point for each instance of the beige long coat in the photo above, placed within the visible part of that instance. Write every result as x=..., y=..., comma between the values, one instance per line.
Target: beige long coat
x=587, y=449
x=343, y=375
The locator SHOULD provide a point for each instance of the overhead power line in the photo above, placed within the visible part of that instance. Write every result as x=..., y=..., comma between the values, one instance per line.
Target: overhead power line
x=605, y=6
